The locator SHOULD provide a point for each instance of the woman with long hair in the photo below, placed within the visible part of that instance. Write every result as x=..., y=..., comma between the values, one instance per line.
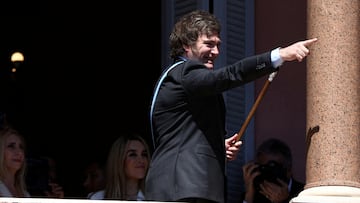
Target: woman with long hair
x=126, y=169
x=12, y=164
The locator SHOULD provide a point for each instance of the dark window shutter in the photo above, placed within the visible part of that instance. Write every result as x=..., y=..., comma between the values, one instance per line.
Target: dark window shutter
x=239, y=44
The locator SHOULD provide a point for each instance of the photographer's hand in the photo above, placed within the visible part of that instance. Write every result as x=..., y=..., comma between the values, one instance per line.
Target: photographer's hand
x=274, y=192
x=249, y=174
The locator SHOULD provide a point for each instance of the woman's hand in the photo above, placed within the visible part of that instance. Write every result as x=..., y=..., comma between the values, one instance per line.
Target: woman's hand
x=56, y=191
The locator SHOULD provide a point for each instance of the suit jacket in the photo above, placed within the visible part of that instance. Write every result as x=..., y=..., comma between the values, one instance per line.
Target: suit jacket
x=188, y=126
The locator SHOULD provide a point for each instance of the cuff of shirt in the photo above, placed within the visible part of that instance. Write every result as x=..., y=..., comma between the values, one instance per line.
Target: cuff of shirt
x=275, y=58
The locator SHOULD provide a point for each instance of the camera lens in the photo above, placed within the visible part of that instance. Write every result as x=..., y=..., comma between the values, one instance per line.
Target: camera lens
x=270, y=171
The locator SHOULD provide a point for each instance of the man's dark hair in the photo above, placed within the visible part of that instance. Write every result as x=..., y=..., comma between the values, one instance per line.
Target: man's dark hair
x=189, y=27
x=276, y=147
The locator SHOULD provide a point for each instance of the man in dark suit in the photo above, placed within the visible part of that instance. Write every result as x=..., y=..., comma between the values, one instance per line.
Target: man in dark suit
x=269, y=179
x=188, y=112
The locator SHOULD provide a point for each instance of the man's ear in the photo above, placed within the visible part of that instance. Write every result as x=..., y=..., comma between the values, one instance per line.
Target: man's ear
x=187, y=48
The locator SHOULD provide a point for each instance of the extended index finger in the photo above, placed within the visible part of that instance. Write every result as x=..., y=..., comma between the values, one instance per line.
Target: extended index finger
x=309, y=41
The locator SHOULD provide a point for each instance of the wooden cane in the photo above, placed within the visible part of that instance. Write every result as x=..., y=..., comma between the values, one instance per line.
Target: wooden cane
x=254, y=107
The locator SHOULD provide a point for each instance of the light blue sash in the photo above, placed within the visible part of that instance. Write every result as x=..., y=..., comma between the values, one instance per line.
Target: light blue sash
x=155, y=95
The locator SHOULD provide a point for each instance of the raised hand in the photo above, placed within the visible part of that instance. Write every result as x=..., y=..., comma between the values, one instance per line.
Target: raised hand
x=298, y=50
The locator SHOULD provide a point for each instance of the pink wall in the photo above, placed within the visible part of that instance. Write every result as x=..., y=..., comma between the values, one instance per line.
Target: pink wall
x=282, y=111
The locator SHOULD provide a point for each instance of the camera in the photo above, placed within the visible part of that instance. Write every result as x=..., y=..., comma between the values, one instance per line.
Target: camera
x=270, y=171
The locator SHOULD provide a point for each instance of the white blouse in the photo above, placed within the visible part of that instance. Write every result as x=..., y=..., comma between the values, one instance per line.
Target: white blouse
x=4, y=191
x=99, y=195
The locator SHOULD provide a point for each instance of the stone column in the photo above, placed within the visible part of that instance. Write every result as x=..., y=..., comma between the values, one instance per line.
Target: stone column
x=333, y=103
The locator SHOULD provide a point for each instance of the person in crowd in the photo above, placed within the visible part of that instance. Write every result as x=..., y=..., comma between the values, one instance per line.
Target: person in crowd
x=94, y=176
x=12, y=163
x=269, y=178
x=126, y=169
x=187, y=112
x=13, y=166
x=55, y=190
x=41, y=177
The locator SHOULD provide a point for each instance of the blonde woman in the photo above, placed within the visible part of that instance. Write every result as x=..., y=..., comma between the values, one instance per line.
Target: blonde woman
x=12, y=164
x=126, y=169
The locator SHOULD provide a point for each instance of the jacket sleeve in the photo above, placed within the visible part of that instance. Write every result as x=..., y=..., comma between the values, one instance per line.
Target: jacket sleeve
x=197, y=79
